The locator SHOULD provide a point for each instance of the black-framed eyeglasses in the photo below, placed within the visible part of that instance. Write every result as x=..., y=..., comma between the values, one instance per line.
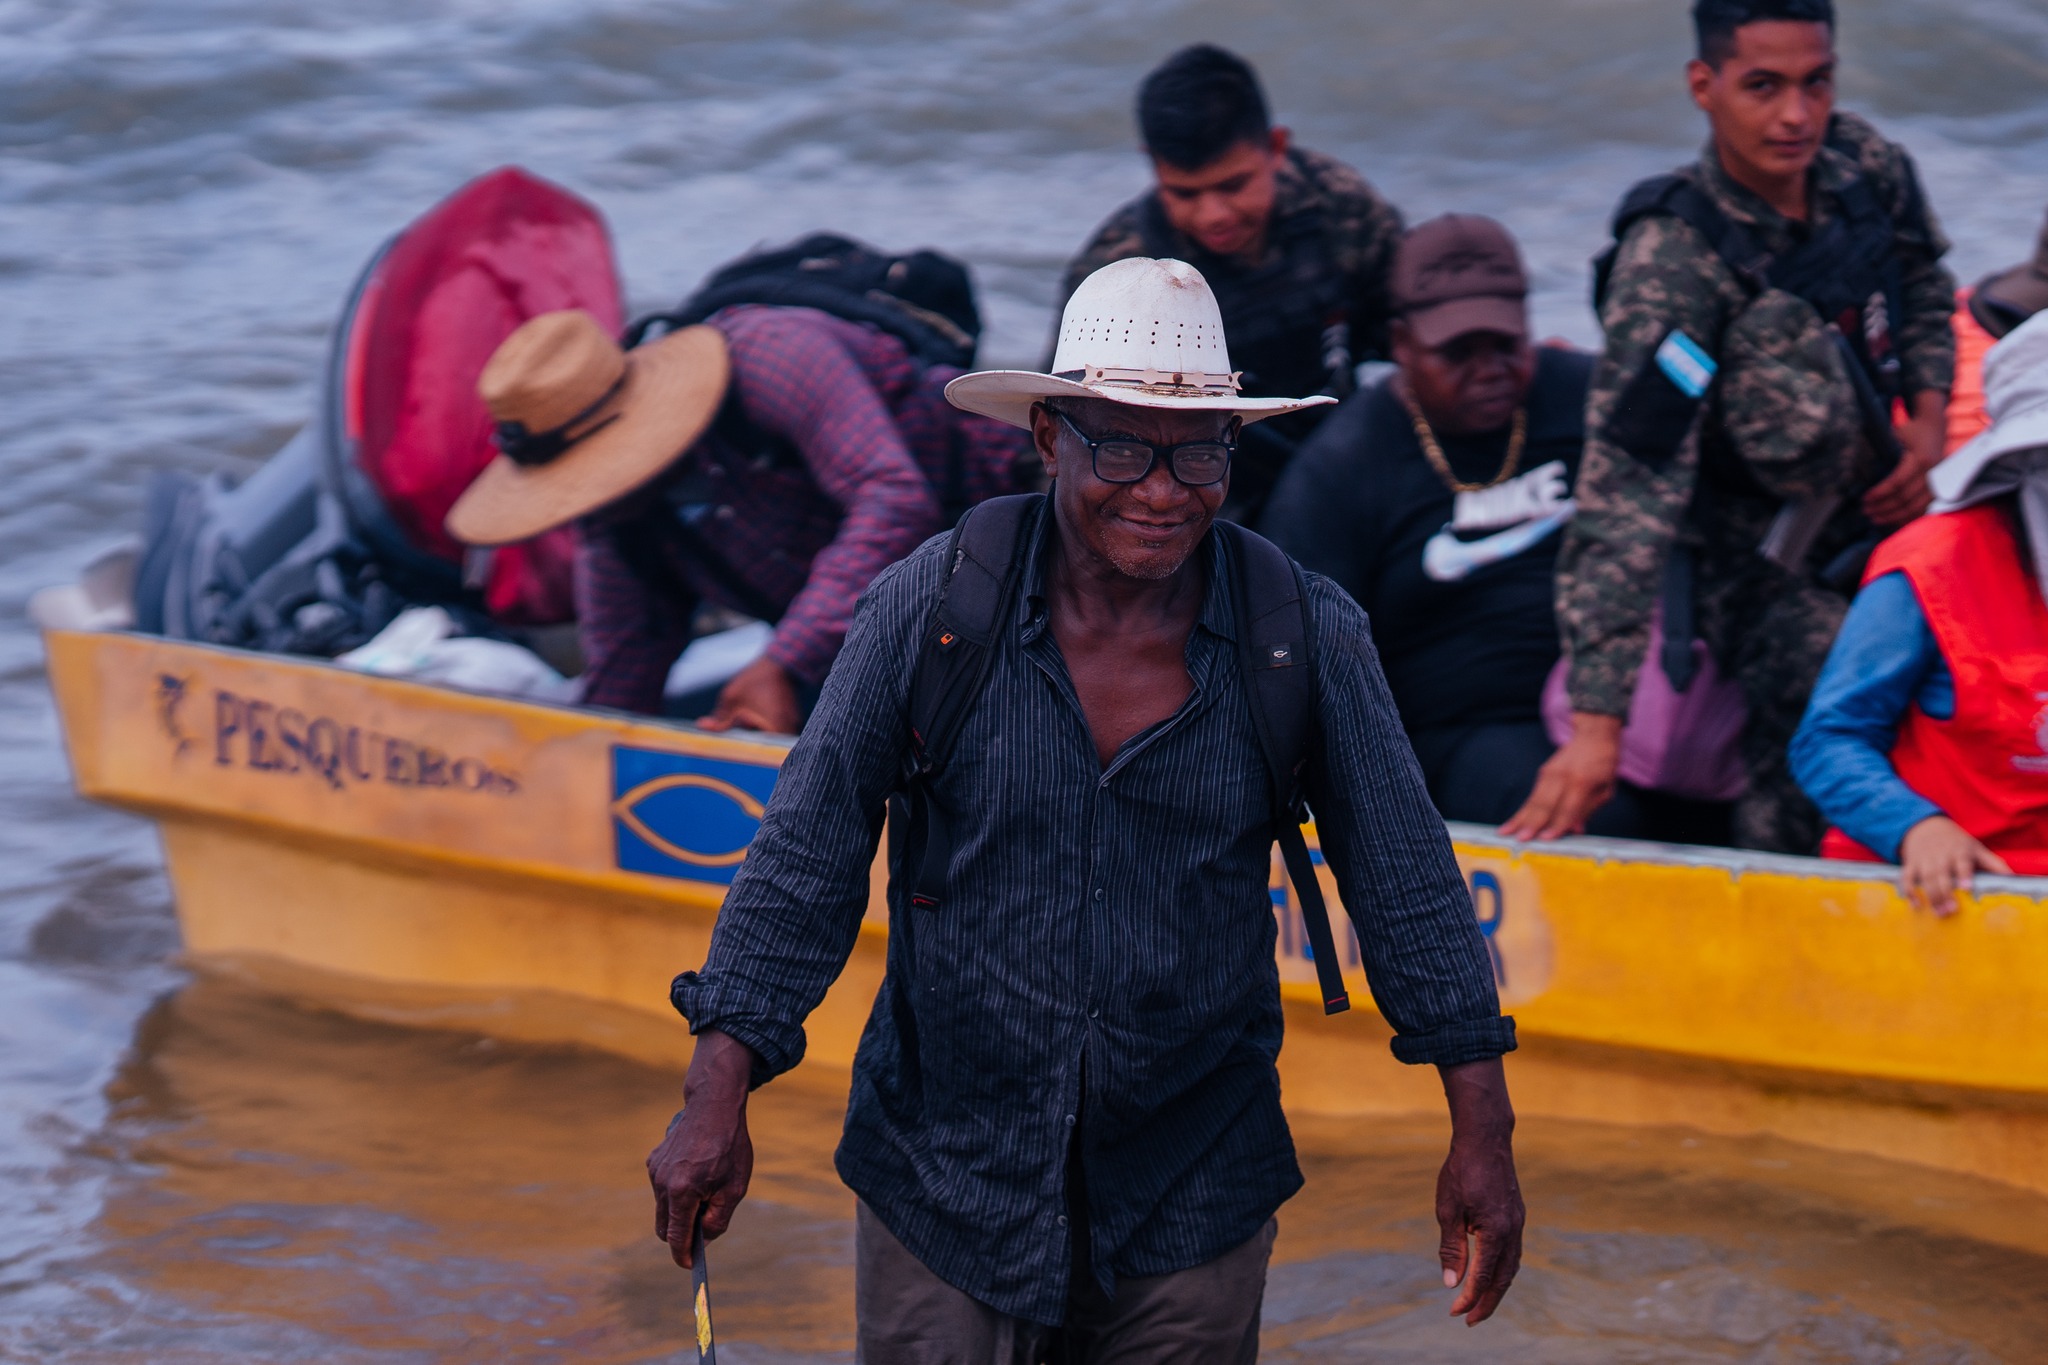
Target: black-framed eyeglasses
x=1125, y=459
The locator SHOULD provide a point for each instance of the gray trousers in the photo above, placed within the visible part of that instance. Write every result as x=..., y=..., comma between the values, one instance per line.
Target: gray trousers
x=1206, y=1315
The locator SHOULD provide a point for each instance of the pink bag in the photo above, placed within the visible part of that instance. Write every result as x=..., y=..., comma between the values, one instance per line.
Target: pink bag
x=1682, y=743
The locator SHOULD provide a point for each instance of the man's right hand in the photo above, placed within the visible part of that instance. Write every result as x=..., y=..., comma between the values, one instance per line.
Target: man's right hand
x=761, y=696
x=704, y=1162
x=1904, y=493
x=1573, y=783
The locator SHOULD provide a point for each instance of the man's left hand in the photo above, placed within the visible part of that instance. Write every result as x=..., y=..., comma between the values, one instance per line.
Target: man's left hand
x=1903, y=494
x=760, y=696
x=1478, y=1199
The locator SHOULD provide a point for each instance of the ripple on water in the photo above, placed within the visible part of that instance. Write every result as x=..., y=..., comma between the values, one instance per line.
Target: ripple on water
x=190, y=188
x=328, y=1185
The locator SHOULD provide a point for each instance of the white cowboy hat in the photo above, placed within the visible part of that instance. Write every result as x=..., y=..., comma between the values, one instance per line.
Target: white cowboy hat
x=1139, y=331
x=2016, y=397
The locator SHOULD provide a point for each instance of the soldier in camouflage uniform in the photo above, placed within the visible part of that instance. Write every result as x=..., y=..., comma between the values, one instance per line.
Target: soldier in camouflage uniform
x=1295, y=245
x=1725, y=395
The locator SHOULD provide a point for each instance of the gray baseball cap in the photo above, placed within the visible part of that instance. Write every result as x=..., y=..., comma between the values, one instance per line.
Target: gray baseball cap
x=1460, y=273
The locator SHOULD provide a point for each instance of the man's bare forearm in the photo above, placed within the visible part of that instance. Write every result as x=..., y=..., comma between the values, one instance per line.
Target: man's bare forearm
x=719, y=1071
x=1478, y=1096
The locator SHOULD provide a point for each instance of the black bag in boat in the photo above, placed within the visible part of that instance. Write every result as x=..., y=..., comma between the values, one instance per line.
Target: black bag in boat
x=925, y=299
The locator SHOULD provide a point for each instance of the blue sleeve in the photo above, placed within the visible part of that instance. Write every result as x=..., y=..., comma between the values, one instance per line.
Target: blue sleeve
x=1884, y=658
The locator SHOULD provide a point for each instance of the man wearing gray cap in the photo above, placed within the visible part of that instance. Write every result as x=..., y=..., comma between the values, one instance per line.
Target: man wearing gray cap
x=1435, y=499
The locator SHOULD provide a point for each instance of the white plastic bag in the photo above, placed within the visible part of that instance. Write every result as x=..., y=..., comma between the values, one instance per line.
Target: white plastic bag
x=421, y=644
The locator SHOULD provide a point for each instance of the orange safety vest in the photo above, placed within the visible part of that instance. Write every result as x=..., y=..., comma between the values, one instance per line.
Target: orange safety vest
x=1987, y=766
x=1966, y=415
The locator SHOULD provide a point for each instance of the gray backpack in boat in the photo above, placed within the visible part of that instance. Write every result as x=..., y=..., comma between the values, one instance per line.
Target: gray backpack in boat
x=1276, y=647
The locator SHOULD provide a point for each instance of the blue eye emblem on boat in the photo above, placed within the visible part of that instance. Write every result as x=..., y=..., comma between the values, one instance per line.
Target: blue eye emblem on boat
x=676, y=815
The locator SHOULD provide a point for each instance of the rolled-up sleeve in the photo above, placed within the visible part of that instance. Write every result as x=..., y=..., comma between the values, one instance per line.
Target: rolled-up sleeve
x=794, y=910
x=1431, y=976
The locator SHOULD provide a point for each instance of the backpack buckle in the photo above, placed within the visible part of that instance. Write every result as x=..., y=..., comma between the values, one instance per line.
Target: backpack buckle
x=1280, y=654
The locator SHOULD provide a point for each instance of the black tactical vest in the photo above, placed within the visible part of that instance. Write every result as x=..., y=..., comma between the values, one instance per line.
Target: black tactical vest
x=1849, y=271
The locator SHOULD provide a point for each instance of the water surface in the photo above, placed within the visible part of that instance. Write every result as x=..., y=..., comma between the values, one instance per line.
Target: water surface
x=197, y=1173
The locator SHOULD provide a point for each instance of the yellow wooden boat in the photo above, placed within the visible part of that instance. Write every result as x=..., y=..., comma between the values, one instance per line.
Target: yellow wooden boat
x=419, y=853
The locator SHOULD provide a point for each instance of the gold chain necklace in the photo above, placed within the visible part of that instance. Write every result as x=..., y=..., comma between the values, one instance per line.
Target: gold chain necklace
x=1435, y=452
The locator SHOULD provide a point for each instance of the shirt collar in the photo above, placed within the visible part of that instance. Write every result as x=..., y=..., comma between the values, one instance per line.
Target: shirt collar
x=1217, y=616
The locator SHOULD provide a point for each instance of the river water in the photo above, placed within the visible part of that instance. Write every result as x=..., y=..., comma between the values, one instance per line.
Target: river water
x=193, y=1171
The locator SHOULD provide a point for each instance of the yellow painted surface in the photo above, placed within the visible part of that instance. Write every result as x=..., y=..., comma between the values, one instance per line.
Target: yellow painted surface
x=1786, y=962
x=460, y=857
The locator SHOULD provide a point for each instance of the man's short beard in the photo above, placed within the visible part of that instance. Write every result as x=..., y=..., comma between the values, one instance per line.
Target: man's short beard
x=1151, y=568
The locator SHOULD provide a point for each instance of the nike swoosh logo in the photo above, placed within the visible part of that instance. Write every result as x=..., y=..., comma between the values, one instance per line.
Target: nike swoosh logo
x=1448, y=559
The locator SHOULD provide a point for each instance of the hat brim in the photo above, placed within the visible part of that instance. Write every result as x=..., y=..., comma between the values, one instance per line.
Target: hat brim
x=1007, y=396
x=1951, y=479
x=2022, y=291
x=1444, y=322
x=672, y=391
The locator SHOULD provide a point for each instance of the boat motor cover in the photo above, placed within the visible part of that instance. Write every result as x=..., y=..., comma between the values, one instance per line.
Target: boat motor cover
x=412, y=432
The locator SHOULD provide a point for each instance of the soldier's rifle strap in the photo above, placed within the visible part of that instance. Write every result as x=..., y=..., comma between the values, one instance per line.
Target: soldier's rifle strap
x=1677, y=605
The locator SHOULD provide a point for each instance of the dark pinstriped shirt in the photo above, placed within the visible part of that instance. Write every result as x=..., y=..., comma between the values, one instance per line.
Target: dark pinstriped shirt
x=1101, y=969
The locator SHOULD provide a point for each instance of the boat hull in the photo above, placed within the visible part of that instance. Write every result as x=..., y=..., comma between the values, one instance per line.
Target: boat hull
x=416, y=853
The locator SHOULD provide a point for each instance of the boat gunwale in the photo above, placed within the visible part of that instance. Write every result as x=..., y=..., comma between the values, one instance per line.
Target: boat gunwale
x=1640, y=852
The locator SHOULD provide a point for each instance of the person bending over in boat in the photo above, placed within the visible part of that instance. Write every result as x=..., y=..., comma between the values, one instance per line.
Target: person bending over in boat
x=1764, y=310
x=1984, y=313
x=1065, y=1127
x=1295, y=244
x=1926, y=743
x=1435, y=499
x=771, y=461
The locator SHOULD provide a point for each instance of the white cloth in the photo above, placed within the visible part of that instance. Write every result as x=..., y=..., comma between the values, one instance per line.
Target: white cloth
x=421, y=644
x=2011, y=455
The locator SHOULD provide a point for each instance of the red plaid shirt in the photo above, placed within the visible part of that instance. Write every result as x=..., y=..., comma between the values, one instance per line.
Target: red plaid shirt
x=803, y=536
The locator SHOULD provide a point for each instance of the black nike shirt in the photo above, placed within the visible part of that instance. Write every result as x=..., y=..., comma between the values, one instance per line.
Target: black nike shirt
x=1459, y=588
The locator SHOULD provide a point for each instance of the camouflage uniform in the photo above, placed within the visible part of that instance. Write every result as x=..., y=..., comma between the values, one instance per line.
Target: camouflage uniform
x=1298, y=319
x=1781, y=416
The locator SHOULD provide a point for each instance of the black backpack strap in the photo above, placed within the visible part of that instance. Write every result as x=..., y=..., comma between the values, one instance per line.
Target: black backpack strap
x=984, y=560
x=1276, y=645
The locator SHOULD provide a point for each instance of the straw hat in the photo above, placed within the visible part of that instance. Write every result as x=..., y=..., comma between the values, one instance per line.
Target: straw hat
x=1139, y=331
x=582, y=423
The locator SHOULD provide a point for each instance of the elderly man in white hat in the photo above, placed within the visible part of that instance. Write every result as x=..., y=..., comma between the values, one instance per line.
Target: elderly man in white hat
x=1065, y=1128
x=1926, y=742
